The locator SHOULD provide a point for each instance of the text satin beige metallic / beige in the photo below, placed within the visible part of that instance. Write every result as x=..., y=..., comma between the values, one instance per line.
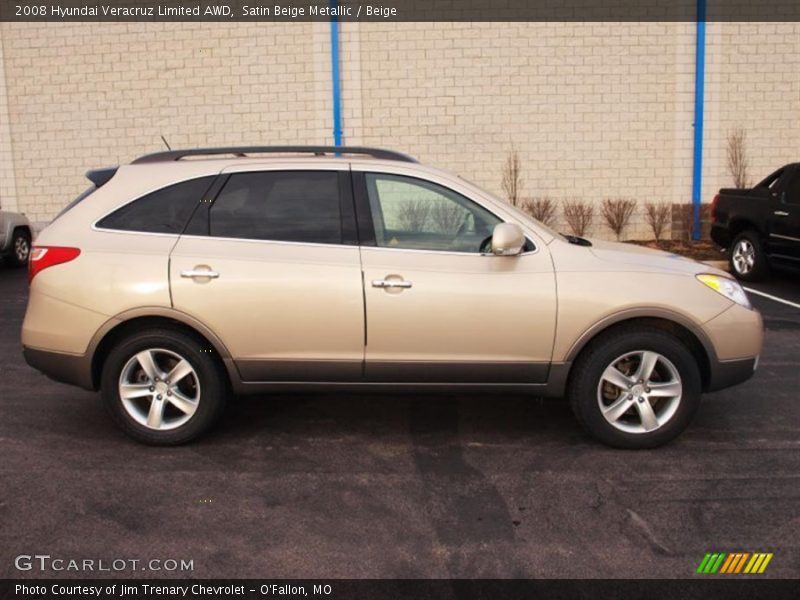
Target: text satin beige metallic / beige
x=187, y=276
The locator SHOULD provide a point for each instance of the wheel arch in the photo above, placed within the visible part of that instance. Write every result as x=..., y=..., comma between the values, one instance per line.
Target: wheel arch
x=11, y=231
x=739, y=224
x=26, y=228
x=155, y=317
x=688, y=332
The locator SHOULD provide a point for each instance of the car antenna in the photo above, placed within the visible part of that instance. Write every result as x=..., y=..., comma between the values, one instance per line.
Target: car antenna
x=166, y=143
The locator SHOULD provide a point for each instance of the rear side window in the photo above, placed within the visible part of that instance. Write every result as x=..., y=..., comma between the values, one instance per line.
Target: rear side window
x=163, y=211
x=288, y=206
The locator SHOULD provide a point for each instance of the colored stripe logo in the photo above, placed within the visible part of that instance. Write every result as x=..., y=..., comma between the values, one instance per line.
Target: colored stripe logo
x=734, y=563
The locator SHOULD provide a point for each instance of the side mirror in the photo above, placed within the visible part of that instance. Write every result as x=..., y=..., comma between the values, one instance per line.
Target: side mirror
x=507, y=240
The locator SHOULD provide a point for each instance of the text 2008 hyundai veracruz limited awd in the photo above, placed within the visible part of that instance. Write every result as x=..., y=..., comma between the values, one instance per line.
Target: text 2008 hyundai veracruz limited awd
x=187, y=276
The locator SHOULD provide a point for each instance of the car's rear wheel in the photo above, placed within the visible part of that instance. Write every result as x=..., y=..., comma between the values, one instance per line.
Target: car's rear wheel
x=748, y=261
x=20, y=248
x=161, y=388
x=635, y=388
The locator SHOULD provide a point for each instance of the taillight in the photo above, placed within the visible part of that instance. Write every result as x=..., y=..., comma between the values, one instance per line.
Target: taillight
x=49, y=256
x=714, y=203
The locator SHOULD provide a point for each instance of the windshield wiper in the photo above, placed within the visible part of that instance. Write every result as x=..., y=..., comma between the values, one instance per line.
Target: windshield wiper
x=578, y=241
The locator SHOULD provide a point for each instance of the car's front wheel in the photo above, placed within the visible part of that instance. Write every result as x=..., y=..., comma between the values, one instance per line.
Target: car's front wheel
x=635, y=388
x=162, y=387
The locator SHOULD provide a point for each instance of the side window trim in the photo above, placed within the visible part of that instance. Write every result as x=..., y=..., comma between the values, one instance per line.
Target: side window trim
x=199, y=219
x=347, y=210
x=366, y=228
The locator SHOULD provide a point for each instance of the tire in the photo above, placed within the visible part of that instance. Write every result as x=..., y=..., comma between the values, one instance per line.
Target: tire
x=747, y=259
x=20, y=248
x=591, y=393
x=189, y=406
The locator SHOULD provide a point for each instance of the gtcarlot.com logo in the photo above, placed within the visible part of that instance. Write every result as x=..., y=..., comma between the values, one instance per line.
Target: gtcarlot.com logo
x=734, y=563
x=45, y=562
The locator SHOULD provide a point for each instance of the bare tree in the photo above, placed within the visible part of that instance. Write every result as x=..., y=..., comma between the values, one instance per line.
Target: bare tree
x=658, y=214
x=414, y=215
x=447, y=217
x=543, y=209
x=512, y=178
x=579, y=215
x=618, y=212
x=683, y=214
x=737, y=158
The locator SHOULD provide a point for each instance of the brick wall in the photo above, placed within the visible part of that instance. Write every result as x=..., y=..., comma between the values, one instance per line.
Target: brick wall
x=83, y=95
x=595, y=110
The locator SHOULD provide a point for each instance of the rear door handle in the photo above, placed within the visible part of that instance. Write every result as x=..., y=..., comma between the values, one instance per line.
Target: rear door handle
x=391, y=283
x=200, y=273
x=781, y=213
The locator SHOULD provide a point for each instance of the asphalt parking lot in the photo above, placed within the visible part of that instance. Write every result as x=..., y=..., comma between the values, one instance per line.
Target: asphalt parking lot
x=316, y=486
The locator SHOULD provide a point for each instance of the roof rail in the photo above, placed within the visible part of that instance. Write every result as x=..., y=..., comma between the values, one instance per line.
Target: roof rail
x=245, y=150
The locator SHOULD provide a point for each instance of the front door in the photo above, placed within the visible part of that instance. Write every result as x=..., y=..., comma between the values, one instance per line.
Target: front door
x=784, y=231
x=272, y=267
x=438, y=309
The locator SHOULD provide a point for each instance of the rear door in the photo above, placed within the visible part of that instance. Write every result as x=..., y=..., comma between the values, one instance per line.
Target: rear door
x=271, y=265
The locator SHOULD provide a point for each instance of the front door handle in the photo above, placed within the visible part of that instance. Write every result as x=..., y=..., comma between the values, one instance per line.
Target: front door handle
x=200, y=273
x=781, y=213
x=391, y=283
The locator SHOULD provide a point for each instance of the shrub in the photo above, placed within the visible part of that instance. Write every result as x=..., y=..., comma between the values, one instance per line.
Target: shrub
x=737, y=158
x=512, y=178
x=682, y=221
x=658, y=214
x=414, y=214
x=579, y=215
x=617, y=213
x=543, y=209
x=447, y=217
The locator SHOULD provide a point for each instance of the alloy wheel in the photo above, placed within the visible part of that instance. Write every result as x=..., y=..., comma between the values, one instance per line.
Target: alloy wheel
x=639, y=391
x=744, y=257
x=22, y=249
x=159, y=389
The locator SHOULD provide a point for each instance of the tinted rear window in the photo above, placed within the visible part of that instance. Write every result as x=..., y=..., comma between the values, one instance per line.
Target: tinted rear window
x=163, y=211
x=290, y=206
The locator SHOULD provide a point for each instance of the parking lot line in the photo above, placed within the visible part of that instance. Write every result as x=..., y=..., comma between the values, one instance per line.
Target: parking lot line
x=771, y=297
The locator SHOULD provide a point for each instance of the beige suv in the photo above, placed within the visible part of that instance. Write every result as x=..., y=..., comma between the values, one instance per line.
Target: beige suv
x=188, y=276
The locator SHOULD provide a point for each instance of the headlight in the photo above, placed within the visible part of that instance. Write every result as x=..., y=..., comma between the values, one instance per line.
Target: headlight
x=727, y=287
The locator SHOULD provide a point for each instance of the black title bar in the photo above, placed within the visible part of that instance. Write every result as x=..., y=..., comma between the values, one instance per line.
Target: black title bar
x=398, y=10
x=700, y=588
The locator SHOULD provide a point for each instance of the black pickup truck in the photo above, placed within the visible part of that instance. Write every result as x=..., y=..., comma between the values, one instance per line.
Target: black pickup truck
x=760, y=227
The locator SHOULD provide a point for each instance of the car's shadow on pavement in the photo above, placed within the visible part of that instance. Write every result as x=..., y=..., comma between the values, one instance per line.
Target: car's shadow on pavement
x=384, y=416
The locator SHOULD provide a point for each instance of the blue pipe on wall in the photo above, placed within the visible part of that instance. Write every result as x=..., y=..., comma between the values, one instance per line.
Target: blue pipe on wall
x=699, y=84
x=337, y=92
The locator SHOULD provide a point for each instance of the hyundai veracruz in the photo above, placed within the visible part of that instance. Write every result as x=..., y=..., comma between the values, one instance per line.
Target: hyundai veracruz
x=188, y=276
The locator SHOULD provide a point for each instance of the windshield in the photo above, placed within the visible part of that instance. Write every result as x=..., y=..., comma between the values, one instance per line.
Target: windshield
x=517, y=210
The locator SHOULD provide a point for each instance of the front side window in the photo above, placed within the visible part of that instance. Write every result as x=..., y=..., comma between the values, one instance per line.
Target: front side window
x=287, y=206
x=419, y=215
x=793, y=188
x=163, y=211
